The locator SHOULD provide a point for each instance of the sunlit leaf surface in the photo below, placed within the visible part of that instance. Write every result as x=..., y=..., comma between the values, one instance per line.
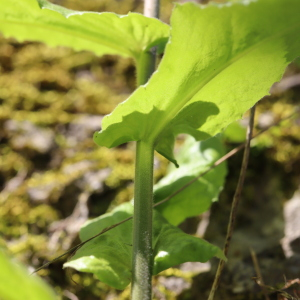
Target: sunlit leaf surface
x=101, y=33
x=219, y=62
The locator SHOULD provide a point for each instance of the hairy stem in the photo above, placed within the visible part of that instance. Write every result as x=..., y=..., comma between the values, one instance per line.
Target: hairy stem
x=142, y=260
x=234, y=205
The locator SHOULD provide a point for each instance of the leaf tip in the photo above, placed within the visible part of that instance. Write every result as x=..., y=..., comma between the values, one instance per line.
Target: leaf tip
x=220, y=254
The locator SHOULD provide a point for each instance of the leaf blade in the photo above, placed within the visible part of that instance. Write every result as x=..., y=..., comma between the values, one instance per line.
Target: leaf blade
x=194, y=159
x=29, y=287
x=101, y=33
x=173, y=247
x=222, y=70
x=109, y=256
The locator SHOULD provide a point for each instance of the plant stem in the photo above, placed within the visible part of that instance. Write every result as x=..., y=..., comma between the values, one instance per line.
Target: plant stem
x=142, y=257
x=146, y=62
x=234, y=205
x=145, y=66
x=142, y=260
x=151, y=8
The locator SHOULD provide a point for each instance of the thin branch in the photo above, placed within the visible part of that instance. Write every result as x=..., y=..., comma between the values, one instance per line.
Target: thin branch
x=258, y=274
x=235, y=202
x=217, y=163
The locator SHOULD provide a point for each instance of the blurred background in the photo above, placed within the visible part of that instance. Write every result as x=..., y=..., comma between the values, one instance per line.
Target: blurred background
x=53, y=177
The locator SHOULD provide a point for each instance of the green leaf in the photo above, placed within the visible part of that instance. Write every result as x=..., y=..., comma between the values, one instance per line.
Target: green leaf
x=235, y=133
x=194, y=158
x=17, y=284
x=101, y=33
x=109, y=255
x=221, y=59
x=173, y=247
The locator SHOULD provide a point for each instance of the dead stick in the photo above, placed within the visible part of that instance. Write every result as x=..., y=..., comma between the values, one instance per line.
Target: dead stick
x=234, y=205
x=258, y=274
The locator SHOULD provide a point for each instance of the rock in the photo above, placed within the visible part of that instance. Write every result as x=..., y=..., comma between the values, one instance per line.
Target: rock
x=25, y=134
x=291, y=240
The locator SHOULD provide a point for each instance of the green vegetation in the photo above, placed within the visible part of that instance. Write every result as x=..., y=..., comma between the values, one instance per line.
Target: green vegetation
x=27, y=287
x=205, y=81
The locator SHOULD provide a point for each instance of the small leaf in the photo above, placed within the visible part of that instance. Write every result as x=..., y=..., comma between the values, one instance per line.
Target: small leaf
x=194, y=158
x=101, y=33
x=173, y=247
x=108, y=256
x=220, y=60
x=17, y=284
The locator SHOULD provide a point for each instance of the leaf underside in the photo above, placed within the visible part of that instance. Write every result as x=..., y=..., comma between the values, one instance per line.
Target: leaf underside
x=109, y=255
x=218, y=63
x=194, y=158
x=101, y=33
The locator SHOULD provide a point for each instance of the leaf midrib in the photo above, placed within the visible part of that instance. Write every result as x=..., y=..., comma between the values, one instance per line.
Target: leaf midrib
x=173, y=110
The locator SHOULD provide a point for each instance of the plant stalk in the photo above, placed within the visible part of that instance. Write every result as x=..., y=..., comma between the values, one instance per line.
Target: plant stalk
x=146, y=62
x=142, y=259
x=145, y=66
x=151, y=8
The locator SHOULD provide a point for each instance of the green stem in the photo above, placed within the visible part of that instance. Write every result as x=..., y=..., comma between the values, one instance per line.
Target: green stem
x=142, y=261
x=145, y=65
x=147, y=59
x=142, y=256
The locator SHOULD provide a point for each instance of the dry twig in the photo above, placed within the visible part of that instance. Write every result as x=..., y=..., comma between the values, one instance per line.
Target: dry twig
x=258, y=273
x=234, y=206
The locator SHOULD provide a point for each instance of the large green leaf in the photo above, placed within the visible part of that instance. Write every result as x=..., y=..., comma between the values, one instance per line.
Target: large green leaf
x=109, y=255
x=101, y=33
x=194, y=158
x=16, y=283
x=219, y=62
